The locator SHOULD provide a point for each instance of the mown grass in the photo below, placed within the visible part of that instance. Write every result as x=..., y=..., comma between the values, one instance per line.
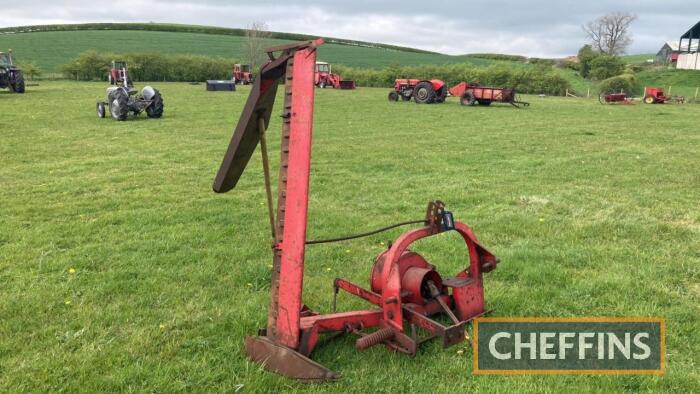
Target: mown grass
x=122, y=271
x=50, y=50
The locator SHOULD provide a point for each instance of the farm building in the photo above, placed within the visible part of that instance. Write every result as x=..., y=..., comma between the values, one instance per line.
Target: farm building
x=688, y=56
x=668, y=54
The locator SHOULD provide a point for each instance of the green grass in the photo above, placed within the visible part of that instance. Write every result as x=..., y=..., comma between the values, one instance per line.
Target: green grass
x=592, y=209
x=50, y=50
x=639, y=58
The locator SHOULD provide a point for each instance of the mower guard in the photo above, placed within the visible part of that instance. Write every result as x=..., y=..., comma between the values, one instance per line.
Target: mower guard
x=285, y=361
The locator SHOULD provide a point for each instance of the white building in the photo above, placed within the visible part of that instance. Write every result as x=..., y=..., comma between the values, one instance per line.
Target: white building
x=688, y=56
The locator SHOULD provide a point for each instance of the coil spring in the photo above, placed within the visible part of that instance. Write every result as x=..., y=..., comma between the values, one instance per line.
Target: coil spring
x=374, y=338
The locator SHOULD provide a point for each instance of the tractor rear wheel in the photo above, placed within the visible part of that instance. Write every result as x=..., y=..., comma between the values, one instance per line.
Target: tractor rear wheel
x=155, y=110
x=119, y=104
x=18, y=85
x=424, y=93
x=393, y=96
x=467, y=98
x=441, y=94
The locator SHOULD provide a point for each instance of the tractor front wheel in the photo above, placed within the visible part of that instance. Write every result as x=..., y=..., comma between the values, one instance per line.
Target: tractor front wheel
x=155, y=110
x=100, y=109
x=119, y=104
x=424, y=93
x=649, y=99
x=393, y=96
x=467, y=99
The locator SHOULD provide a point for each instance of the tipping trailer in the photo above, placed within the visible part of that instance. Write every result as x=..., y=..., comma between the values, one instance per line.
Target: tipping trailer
x=473, y=94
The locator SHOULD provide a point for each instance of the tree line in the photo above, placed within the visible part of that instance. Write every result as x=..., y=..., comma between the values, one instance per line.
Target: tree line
x=92, y=66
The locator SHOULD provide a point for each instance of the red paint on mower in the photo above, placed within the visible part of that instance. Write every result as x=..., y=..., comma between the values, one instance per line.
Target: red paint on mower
x=406, y=291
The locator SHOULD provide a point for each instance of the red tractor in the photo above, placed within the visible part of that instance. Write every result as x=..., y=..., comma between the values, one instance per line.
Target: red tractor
x=422, y=91
x=242, y=74
x=324, y=77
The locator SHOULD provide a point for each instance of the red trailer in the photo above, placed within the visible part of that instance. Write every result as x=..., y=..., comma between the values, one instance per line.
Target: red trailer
x=614, y=98
x=473, y=93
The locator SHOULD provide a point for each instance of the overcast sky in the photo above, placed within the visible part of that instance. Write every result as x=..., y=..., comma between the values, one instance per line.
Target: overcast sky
x=532, y=28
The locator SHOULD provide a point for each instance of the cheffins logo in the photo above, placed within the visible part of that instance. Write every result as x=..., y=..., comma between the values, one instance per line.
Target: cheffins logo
x=569, y=345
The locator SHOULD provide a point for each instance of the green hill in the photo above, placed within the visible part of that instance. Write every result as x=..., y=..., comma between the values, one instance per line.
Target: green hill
x=50, y=49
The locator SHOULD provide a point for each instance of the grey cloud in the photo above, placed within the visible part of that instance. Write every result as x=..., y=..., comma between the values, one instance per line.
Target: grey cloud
x=534, y=28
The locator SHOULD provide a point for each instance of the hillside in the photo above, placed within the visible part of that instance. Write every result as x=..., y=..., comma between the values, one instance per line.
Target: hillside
x=50, y=49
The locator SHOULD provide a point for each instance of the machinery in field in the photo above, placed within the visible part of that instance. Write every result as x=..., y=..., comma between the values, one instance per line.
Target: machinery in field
x=324, y=77
x=406, y=292
x=614, y=98
x=123, y=99
x=421, y=91
x=654, y=95
x=241, y=74
x=10, y=75
x=473, y=94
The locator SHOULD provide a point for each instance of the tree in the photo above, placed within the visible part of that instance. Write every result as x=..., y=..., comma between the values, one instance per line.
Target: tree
x=585, y=55
x=31, y=71
x=606, y=66
x=610, y=34
x=256, y=41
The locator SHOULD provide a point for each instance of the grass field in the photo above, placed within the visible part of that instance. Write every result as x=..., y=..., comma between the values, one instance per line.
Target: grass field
x=122, y=271
x=50, y=50
x=639, y=58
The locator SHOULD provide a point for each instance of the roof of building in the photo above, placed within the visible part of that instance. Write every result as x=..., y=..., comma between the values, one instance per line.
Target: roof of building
x=693, y=32
x=674, y=46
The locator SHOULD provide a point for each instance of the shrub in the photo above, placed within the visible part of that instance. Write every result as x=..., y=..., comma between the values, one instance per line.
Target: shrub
x=624, y=82
x=150, y=67
x=585, y=55
x=606, y=66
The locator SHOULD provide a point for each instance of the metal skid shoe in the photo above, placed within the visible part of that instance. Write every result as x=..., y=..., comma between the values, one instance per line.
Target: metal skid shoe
x=405, y=288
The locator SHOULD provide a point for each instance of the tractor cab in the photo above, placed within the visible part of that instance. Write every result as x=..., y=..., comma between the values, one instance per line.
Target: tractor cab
x=245, y=68
x=119, y=74
x=6, y=59
x=323, y=67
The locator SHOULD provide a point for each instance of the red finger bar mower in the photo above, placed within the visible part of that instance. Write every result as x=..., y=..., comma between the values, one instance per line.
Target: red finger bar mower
x=406, y=291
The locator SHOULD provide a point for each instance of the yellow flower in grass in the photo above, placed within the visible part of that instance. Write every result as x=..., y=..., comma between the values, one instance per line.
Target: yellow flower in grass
x=67, y=302
x=71, y=270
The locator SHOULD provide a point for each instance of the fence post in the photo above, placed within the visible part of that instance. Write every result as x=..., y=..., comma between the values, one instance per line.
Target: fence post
x=696, y=93
x=588, y=93
x=669, y=90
